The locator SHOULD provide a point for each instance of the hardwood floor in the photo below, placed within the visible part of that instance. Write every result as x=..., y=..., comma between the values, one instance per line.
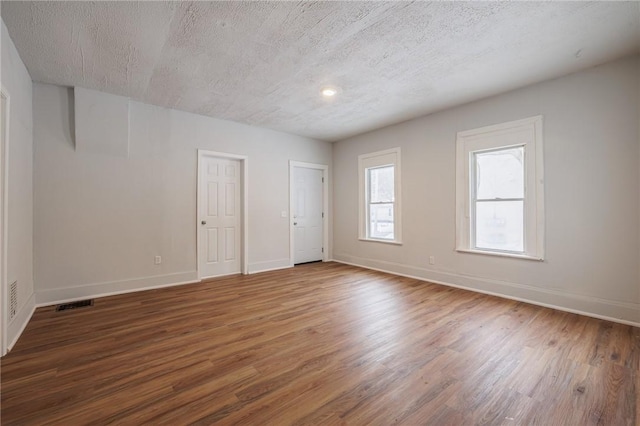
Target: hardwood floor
x=320, y=344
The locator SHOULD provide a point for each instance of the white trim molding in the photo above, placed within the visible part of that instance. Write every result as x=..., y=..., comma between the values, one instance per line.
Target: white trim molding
x=387, y=157
x=20, y=321
x=244, y=161
x=269, y=265
x=524, y=135
x=325, y=208
x=111, y=288
x=610, y=310
x=4, y=214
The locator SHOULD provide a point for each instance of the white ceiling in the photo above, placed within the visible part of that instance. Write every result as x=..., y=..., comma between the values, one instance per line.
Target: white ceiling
x=263, y=63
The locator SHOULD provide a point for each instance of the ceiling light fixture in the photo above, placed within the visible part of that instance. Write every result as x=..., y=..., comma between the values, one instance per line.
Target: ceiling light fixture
x=329, y=92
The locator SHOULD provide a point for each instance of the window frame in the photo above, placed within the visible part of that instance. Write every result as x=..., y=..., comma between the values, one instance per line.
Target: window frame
x=526, y=133
x=374, y=160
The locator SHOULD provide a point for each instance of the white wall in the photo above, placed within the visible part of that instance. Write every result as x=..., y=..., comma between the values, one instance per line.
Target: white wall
x=100, y=219
x=17, y=82
x=592, y=162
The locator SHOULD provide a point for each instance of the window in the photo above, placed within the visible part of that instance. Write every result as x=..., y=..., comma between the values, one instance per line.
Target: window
x=380, y=196
x=499, y=190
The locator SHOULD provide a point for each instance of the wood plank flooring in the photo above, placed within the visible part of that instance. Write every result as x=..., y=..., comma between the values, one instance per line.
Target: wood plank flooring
x=320, y=344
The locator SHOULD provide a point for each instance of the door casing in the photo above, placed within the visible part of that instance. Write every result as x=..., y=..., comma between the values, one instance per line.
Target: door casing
x=244, y=198
x=4, y=174
x=325, y=207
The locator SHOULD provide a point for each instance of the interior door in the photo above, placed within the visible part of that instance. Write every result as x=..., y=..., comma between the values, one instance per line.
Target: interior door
x=307, y=214
x=220, y=217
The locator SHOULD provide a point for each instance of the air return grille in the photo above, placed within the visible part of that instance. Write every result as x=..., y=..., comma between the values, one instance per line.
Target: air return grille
x=74, y=305
x=13, y=299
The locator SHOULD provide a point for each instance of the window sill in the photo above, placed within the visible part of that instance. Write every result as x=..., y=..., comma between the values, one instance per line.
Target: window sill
x=373, y=240
x=495, y=253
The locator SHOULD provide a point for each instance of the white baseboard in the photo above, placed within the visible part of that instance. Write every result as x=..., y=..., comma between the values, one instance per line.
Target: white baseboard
x=271, y=265
x=20, y=321
x=620, y=312
x=90, y=291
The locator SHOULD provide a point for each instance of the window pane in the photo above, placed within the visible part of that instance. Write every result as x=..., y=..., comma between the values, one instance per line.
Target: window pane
x=381, y=221
x=500, y=174
x=500, y=225
x=381, y=184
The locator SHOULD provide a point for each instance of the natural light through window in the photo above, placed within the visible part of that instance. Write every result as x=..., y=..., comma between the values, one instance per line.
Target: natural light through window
x=379, y=187
x=499, y=199
x=380, y=195
x=499, y=190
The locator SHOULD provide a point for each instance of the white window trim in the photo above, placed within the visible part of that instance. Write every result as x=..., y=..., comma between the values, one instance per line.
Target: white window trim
x=482, y=139
x=377, y=159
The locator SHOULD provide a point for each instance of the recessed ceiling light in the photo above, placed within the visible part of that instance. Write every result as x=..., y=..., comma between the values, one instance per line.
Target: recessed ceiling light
x=329, y=92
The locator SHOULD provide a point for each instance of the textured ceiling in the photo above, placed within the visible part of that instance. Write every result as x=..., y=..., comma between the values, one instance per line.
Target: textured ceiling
x=263, y=63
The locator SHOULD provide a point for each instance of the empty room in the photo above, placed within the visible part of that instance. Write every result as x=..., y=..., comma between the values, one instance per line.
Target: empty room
x=320, y=213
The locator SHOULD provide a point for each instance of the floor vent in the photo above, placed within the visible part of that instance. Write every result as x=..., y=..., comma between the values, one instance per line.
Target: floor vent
x=74, y=305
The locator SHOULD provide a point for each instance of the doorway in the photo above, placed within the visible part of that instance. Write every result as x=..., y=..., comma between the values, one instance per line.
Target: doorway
x=221, y=218
x=308, y=207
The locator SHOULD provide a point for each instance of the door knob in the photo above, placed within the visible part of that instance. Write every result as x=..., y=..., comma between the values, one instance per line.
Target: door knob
x=204, y=222
x=295, y=223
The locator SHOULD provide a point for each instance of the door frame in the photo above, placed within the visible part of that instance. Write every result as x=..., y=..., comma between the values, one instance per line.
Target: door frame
x=244, y=208
x=325, y=207
x=4, y=204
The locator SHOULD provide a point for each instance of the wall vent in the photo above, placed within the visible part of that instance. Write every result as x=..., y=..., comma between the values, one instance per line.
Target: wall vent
x=13, y=299
x=74, y=305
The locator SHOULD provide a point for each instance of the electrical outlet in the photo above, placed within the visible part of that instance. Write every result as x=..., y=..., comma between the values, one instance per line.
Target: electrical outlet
x=432, y=260
x=283, y=213
x=158, y=260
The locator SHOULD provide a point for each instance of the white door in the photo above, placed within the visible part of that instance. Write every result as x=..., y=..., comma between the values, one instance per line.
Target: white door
x=307, y=215
x=219, y=217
